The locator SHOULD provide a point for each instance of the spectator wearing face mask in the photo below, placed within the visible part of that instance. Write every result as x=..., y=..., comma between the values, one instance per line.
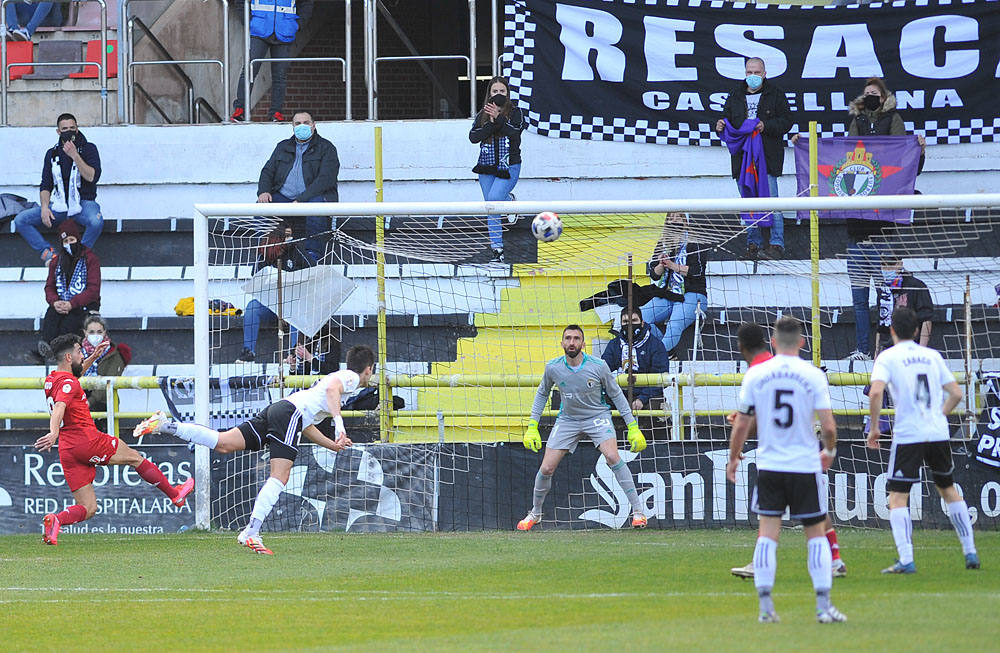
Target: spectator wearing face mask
x=73, y=289
x=900, y=289
x=648, y=355
x=278, y=250
x=70, y=172
x=498, y=129
x=303, y=168
x=873, y=113
x=756, y=98
x=111, y=360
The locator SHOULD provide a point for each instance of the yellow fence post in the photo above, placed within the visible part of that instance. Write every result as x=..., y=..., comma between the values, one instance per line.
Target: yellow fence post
x=384, y=395
x=814, y=242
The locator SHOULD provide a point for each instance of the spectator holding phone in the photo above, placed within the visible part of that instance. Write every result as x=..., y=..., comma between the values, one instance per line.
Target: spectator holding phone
x=497, y=129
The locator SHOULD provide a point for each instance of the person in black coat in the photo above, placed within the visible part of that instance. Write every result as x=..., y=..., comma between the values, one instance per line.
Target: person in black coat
x=758, y=98
x=303, y=168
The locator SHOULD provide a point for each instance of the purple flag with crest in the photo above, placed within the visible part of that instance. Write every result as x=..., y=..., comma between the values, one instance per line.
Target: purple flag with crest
x=852, y=166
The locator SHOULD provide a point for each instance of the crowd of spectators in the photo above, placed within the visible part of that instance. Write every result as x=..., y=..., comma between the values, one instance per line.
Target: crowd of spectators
x=305, y=168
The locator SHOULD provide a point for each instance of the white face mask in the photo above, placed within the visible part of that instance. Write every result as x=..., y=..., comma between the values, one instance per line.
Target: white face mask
x=95, y=338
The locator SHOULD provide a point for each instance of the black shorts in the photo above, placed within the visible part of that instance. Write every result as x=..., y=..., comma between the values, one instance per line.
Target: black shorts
x=905, y=461
x=279, y=426
x=803, y=494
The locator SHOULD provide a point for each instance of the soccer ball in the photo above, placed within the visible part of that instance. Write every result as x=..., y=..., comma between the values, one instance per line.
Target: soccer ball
x=546, y=226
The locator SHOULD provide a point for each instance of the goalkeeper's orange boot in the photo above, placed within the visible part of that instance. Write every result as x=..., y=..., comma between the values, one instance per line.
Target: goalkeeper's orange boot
x=529, y=520
x=638, y=520
x=151, y=424
x=183, y=490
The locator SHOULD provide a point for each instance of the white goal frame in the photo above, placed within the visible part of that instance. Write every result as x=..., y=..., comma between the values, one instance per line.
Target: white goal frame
x=203, y=212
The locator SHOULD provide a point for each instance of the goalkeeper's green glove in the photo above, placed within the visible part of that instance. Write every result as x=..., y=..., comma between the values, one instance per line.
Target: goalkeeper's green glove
x=533, y=440
x=635, y=437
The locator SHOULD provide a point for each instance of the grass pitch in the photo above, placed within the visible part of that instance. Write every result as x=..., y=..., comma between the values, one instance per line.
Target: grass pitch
x=600, y=590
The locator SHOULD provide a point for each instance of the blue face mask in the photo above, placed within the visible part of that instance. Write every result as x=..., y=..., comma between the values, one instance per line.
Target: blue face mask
x=754, y=81
x=303, y=132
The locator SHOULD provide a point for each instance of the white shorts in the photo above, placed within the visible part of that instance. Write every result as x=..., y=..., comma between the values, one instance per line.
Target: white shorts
x=567, y=433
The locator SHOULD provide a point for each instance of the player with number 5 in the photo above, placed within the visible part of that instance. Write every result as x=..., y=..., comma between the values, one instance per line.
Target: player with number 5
x=918, y=379
x=582, y=381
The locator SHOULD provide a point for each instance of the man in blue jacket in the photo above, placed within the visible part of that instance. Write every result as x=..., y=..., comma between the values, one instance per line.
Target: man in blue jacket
x=70, y=171
x=648, y=355
x=273, y=26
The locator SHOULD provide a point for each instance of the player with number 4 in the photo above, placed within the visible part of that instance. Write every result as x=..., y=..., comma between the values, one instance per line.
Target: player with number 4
x=918, y=379
x=582, y=381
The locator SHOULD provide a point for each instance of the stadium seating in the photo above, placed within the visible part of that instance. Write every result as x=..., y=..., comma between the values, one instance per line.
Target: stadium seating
x=52, y=51
x=94, y=55
x=17, y=52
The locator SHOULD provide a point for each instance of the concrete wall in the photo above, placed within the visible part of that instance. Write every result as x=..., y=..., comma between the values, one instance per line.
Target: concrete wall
x=161, y=171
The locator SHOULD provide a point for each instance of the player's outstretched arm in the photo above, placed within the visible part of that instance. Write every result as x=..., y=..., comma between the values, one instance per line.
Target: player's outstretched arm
x=615, y=394
x=532, y=439
x=875, y=393
x=333, y=393
x=316, y=436
x=49, y=440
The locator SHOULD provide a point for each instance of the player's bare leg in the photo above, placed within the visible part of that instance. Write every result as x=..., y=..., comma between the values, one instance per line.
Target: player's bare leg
x=624, y=477
x=543, y=483
x=84, y=508
x=281, y=469
x=958, y=513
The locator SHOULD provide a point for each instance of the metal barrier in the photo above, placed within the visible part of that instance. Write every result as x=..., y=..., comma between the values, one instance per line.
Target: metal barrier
x=674, y=383
x=345, y=61
x=126, y=50
x=102, y=68
x=372, y=58
x=190, y=88
x=434, y=57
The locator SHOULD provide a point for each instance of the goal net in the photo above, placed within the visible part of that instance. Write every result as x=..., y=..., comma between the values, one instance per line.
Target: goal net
x=462, y=342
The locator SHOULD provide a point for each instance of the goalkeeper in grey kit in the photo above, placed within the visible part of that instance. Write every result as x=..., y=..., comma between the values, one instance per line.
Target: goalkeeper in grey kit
x=582, y=381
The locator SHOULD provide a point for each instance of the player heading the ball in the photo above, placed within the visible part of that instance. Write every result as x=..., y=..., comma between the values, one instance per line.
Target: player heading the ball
x=280, y=427
x=780, y=398
x=583, y=381
x=918, y=379
x=81, y=445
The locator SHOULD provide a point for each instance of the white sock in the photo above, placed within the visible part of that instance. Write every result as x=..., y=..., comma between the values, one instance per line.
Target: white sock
x=624, y=477
x=765, y=564
x=198, y=434
x=902, y=532
x=958, y=512
x=820, y=563
x=266, y=498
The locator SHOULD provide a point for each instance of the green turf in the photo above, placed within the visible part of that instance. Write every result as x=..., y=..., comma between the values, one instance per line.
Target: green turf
x=634, y=590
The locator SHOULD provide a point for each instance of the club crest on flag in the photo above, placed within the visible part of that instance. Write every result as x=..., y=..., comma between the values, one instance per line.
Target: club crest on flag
x=858, y=173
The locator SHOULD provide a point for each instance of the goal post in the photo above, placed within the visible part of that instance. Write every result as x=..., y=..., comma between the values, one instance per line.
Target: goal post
x=449, y=327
